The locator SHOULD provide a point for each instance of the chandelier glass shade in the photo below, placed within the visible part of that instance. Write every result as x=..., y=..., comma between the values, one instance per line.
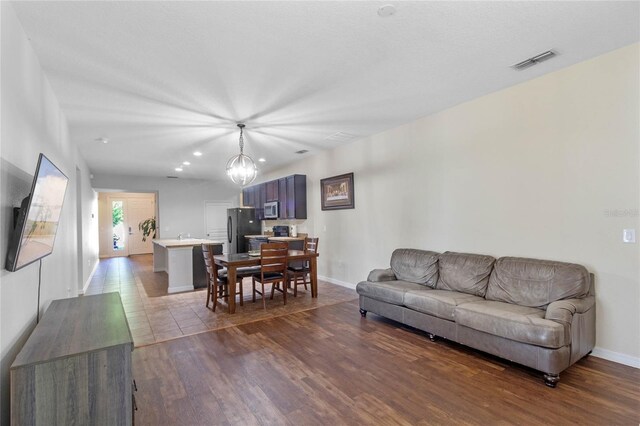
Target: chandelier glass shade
x=241, y=169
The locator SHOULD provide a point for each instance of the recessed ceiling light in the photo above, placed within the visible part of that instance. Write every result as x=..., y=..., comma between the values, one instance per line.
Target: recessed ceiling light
x=197, y=153
x=103, y=140
x=262, y=160
x=386, y=10
x=178, y=169
x=186, y=163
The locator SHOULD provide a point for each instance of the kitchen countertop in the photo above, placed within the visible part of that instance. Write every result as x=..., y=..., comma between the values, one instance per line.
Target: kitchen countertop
x=185, y=242
x=286, y=238
x=271, y=237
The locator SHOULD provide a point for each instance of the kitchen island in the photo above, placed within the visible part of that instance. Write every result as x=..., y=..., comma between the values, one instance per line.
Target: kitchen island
x=182, y=260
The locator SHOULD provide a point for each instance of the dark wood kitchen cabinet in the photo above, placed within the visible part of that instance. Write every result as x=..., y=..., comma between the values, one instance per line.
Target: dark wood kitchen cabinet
x=282, y=198
x=293, y=204
x=249, y=196
x=272, y=191
x=290, y=192
x=255, y=196
x=260, y=198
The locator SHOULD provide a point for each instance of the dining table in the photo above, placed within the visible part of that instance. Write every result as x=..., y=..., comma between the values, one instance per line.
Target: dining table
x=241, y=260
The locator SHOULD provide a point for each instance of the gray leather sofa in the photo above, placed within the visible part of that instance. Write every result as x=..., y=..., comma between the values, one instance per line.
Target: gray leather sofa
x=538, y=313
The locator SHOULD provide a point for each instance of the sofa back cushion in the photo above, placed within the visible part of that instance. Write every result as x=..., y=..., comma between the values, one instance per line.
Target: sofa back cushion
x=416, y=266
x=536, y=283
x=464, y=272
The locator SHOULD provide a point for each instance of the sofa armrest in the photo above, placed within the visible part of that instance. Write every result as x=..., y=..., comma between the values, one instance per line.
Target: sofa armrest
x=378, y=275
x=562, y=310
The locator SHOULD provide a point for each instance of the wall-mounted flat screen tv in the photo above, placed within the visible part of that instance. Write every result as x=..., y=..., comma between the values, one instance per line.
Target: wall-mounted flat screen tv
x=37, y=220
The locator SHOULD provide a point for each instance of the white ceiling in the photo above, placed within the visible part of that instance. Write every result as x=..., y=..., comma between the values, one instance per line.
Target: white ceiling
x=163, y=79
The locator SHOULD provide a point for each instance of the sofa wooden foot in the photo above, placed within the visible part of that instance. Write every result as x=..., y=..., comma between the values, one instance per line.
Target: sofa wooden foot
x=431, y=337
x=363, y=313
x=551, y=380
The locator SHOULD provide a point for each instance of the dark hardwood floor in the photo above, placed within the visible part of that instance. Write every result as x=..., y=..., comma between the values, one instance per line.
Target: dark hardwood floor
x=329, y=366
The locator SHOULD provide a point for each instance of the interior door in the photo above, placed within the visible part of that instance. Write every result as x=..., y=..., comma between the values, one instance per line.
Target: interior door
x=139, y=210
x=215, y=213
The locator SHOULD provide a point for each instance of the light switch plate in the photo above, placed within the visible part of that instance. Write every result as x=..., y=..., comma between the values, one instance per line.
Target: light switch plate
x=628, y=235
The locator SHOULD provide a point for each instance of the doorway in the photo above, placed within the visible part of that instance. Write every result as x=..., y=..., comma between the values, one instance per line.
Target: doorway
x=215, y=218
x=121, y=216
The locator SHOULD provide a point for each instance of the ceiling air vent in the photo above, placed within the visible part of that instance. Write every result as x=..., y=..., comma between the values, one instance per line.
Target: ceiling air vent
x=340, y=137
x=534, y=60
x=172, y=177
x=302, y=151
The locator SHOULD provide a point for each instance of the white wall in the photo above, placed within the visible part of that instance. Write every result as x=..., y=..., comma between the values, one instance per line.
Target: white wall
x=547, y=169
x=32, y=122
x=180, y=201
x=88, y=228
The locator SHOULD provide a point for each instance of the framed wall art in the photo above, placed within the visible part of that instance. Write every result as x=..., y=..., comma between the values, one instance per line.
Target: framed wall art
x=337, y=192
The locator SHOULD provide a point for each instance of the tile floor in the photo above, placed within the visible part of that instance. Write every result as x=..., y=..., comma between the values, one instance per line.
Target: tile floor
x=155, y=316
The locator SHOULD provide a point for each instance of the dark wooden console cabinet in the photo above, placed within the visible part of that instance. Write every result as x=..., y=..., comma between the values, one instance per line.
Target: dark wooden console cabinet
x=75, y=368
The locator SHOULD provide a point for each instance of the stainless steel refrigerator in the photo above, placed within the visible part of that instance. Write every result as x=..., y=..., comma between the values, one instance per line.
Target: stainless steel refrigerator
x=241, y=222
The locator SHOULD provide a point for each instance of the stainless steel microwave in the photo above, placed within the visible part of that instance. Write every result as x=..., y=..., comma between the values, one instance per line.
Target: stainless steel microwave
x=271, y=210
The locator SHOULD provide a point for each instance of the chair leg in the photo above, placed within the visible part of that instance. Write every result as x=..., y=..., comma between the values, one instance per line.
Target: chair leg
x=253, y=293
x=304, y=280
x=264, y=301
x=209, y=289
x=273, y=289
x=295, y=285
x=284, y=290
x=215, y=299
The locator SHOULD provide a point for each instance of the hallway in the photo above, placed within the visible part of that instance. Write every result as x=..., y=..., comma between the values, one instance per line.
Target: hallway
x=155, y=316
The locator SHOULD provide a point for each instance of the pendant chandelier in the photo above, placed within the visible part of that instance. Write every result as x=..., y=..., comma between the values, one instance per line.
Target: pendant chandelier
x=241, y=169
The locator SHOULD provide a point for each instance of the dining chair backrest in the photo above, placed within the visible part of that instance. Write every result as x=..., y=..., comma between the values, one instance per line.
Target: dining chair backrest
x=311, y=244
x=273, y=257
x=207, y=253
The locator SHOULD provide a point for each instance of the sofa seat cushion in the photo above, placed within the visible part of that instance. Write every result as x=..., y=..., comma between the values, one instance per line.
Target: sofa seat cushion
x=416, y=266
x=439, y=303
x=387, y=291
x=514, y=322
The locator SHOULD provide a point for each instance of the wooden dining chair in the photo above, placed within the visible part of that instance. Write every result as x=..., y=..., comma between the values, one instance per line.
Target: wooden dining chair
x=217, y=286
x=273, y=270
x=301, y=272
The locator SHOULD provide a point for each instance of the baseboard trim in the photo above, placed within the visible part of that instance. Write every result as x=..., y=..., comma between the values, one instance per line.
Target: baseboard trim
x=631, y=361
x=180, y=289
x=597, y=352
x=88, y=281
x=337, y=282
